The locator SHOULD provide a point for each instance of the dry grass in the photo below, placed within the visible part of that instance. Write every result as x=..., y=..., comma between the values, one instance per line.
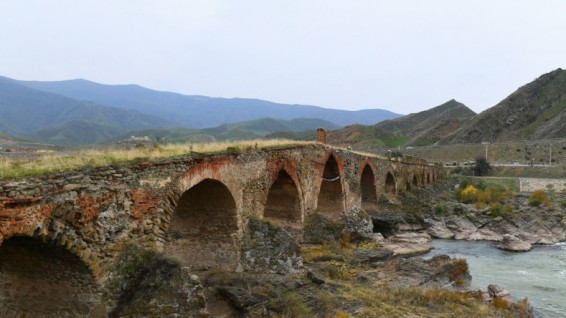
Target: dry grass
x=60, y=162
x=385, y=301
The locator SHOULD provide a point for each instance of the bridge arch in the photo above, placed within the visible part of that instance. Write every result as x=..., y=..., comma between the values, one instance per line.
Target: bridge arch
x=415, y=181
x=390, y=184
x=331, y=198
x=44, y=280
x=410, y=183
x=284, y=205
x=368, y=189
x=204, y=226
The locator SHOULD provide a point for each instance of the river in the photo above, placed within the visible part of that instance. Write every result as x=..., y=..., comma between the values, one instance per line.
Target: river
x=539, y=275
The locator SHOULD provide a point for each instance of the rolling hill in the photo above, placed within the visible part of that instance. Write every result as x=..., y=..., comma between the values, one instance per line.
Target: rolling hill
x=430, y=126
x=243, y=130
x=365, y=137
x=25, y=111
x=200, y=111
x=423, y=128
x=77, y=133
x=534, y=111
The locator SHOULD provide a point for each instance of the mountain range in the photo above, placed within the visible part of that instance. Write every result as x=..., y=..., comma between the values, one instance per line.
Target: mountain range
x=193, y=111
x=252, y=129
x=80, y=112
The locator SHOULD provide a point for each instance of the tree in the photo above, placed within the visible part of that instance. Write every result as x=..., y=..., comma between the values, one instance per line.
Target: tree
x=482, y=167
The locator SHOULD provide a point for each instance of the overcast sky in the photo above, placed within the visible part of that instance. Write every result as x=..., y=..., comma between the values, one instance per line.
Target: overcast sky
x=405, y=56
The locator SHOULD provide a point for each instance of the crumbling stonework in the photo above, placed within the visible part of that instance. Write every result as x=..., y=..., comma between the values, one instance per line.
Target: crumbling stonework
x=269, y=248
x=196, y=208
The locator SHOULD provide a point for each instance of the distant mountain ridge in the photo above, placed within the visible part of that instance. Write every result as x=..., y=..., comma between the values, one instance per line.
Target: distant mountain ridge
x=24, y=110
x=51, y=117
x=195, y=111
x=253, y=129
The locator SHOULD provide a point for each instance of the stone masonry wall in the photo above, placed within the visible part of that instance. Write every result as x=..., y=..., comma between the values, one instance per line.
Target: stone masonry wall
x=94, y=213
x=533, y=184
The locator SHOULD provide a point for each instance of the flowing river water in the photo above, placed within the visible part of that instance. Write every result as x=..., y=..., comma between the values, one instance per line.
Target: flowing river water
x=539, y=275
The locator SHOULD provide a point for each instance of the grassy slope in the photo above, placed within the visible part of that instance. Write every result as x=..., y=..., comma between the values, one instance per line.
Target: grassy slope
x=365, y=137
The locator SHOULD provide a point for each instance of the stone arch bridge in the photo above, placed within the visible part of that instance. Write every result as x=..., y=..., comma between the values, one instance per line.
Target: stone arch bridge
x=196, y=209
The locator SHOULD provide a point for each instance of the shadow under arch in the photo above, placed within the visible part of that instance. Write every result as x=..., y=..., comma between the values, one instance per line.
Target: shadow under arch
x=203, y=227
x=415, y=182
x=390, y=184
x=38, y=279
x=283, y=206
x=369, y=190
x=330, y=201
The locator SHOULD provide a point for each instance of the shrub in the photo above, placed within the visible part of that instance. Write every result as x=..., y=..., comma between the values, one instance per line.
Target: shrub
x=500, y=303
x=563, y=203
x=464, y=183
x=290, y=304
x=440, y=209
x=480, y=194
x=495, y=209
x=479, y=205
x=538, y=198
x=508, y=209
x=469, y=194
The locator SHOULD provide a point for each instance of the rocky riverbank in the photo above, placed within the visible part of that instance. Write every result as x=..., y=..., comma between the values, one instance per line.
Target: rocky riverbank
x=513, y=224
x=358, y=280
x=344, y=276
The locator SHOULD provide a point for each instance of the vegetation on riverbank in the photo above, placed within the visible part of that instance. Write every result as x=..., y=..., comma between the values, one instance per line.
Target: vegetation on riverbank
x=339, y=281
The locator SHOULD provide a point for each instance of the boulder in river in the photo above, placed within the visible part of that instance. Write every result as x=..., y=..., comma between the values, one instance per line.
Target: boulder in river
x=512, y=243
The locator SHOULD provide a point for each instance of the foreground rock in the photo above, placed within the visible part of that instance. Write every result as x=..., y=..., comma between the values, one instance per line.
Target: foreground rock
x=513, y=243
x=499, y=292
x=408, y=243
x=440, y=271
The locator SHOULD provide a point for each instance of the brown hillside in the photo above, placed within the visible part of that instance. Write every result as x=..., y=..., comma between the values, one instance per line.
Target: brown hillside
x=430, y=126
x=534, y=111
